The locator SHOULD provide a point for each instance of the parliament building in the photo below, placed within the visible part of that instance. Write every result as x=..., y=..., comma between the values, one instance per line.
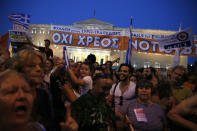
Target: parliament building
x=142, y=38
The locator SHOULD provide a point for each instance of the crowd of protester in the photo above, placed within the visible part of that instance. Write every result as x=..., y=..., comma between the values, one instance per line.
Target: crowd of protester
x=37, y=93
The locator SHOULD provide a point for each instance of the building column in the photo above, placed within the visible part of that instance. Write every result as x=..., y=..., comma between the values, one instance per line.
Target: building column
x=122, y=57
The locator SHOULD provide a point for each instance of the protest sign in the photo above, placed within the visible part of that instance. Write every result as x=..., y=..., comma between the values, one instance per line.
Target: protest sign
x=180, y=39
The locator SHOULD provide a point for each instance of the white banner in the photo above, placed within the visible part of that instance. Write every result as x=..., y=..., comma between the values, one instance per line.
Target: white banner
x=19, y=36
x=105, y=32
x=87, y=31
x=182, y=39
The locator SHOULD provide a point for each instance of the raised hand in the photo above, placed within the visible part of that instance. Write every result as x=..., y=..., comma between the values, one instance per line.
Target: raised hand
x=70, y=124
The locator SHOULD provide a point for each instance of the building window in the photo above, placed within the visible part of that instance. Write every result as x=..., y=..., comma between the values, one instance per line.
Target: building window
x=42, y=31
x=92, y=28
x=168, y=66
x=134, y=65
x=195, y=38
x=70, y=54
x=76, y=58
x=146, y=64
x=39, y=43
x=157, y=65
x=55, y=46
x=33, y=31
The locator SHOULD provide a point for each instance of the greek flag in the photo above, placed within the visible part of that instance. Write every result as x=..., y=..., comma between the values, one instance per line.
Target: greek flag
x=129, y=50
x=21, y=19
x=65, y=56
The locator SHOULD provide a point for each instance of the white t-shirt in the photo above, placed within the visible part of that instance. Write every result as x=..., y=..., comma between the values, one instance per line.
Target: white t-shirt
x=87, y=86
x=128, y=95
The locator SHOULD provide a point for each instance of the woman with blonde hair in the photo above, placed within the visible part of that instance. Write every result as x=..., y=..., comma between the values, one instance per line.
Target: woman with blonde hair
x=31, y=62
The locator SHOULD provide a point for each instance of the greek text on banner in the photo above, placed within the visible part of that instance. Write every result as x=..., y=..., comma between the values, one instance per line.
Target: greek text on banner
x=111, y=42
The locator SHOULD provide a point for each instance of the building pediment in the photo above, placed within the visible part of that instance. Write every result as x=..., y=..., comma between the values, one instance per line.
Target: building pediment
x=92, y=21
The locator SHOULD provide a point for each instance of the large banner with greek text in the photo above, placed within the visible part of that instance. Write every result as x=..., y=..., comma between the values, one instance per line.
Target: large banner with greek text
x=113, y=40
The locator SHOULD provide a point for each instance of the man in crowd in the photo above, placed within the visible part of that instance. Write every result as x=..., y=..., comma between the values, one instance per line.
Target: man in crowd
x=184, y=114
x=179, y=90
x=48, y=51
x=122, y=92
x=91, y=110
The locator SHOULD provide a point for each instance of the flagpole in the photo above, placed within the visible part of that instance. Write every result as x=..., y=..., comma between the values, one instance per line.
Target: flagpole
x=94, y=13
x=177, y=52
x=8, y=47
x=180, y=27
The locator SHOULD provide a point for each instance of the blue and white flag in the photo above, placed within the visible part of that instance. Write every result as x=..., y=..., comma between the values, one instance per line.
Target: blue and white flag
x=65, y=56
x=21, y=19
x=129, y=50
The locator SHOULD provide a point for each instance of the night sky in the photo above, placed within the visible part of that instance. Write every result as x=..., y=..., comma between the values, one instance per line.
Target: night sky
x=147, y=14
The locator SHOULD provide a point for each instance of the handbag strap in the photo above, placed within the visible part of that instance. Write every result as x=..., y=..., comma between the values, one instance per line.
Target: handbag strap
x=113, y=96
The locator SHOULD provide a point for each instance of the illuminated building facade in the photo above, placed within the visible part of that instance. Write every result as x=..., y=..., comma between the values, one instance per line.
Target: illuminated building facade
x=141, y=58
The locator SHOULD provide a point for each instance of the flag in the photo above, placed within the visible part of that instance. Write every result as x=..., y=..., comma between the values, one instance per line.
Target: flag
x=4, y=41
x=65, y=56
x=129, y=50
x=21, y=19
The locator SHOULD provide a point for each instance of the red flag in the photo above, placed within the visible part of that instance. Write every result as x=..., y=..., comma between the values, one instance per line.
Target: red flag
x=4, y=41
